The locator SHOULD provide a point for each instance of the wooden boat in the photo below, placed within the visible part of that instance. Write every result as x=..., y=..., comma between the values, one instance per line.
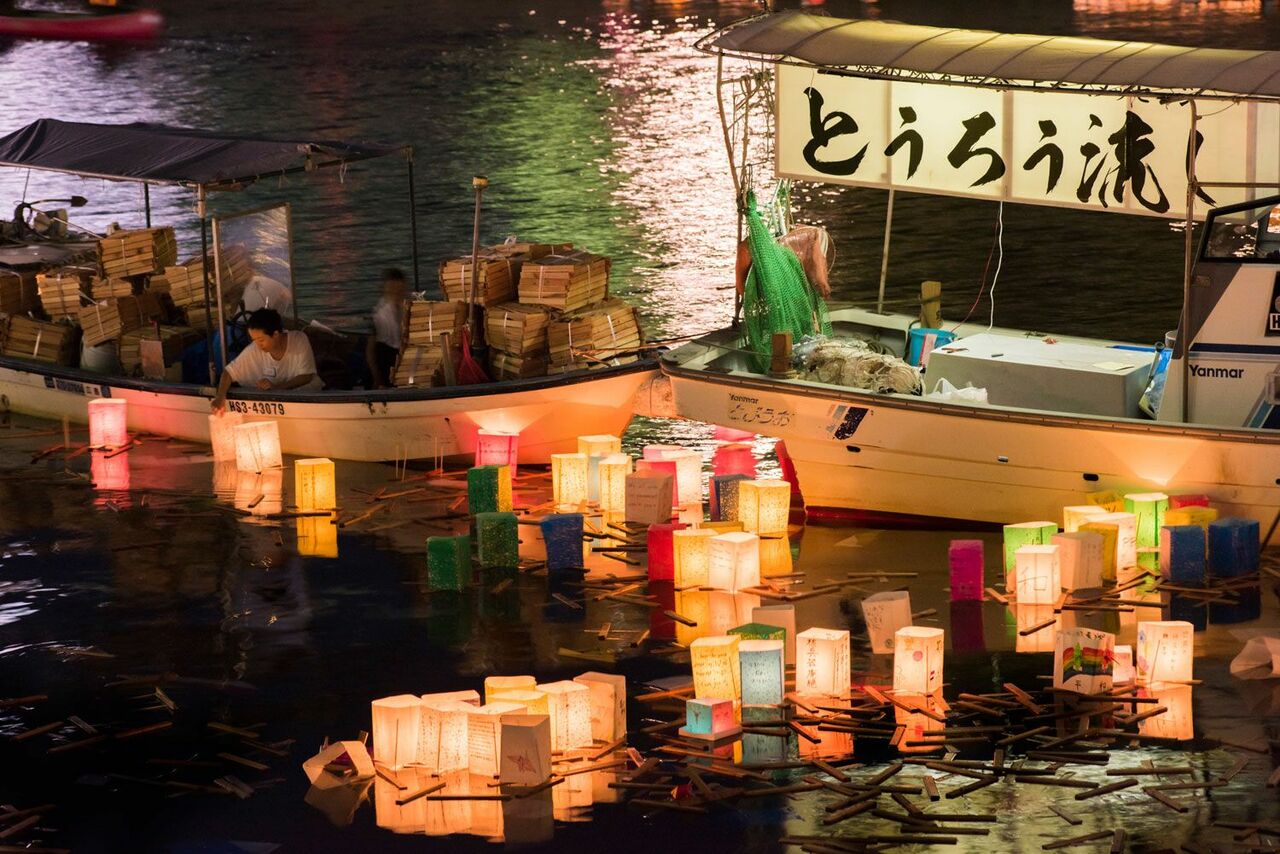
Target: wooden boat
x=1063, y=418
x=98, y=24
x=390, y=424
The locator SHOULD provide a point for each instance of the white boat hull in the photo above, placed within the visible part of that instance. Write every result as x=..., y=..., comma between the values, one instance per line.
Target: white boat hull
x=548, y=413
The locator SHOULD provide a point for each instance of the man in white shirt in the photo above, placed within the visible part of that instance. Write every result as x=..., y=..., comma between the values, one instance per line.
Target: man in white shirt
x=274, y=360
x=383, y=347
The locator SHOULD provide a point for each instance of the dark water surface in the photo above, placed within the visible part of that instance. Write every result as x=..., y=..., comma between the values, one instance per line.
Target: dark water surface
x=595, y=123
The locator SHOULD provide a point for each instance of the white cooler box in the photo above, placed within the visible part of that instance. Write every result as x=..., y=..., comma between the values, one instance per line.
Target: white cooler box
x=1030, y=373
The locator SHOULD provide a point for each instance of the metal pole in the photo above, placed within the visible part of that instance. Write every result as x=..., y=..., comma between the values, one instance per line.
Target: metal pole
x=217, y=279
x=413, y=221
x=146, y=201
x=204, y=265
x=729, y=149
x=479, y=182
x=1184, y=326
x=884, y=254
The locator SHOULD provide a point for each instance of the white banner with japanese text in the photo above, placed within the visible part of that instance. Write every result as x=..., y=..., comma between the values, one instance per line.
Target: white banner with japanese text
x=1070, y=149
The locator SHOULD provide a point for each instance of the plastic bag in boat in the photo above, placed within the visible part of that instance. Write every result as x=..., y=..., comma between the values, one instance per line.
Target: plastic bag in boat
x=945, y=391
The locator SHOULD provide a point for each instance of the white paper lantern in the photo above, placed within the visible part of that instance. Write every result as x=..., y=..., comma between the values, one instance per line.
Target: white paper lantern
x=258, y=446
x=688, y=477
x=1164, y=652
x=443, y=742
x=1075, y=516
x=569, y=704
x=764, y=506
x=1079, y=559
x=692, y=551
x=314, y=485
x=108, y=427
x=1038, y=577
x=717, y=672
x=484, y=736
x=735, y=561
x=783, y=616
x=568, y=479
x=533, y=700
x=608, y=704
x=1083, y=660
x=526, y=754
x=1122, y=670
x=397, y=726
x=613, y=482
x=885, y=613
x=760, y=663
x=917, y=660
x=599, y=446
x=1126, y=539
x=823, y=664
x=495, y=685
x=222, y=436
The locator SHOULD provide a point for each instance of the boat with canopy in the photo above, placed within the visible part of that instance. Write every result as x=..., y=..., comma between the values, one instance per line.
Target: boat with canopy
x=891, y=413
x=425, y=421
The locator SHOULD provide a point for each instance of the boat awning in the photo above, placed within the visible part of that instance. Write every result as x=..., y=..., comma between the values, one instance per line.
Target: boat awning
x=158, y=154
x=885, y=49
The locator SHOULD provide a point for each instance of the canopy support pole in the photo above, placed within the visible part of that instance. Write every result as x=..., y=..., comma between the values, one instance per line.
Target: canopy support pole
x=146, y=201
x=217, y=279
x=729, y=149
x=204, y=266
x=884, y=254
x=413, y=222
x=1184, y=326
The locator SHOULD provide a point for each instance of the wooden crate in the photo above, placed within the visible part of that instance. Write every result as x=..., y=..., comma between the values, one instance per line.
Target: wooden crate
x=101, y=288
x=42, y=341
x=173, y=339
x=186, y=281
x=19, y=292
x=495, y=281
x=531, y=251
x=567, y=282
x=426, y=320
x=62, y=291
x=418, y=366
x=158, y=283
x=137, y=253
x=112, y=318
x=602, y=333
x=509, y=366
x=517, y=329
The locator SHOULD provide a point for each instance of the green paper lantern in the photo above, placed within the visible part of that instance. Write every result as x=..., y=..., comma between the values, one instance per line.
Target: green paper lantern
x=497, y=539
x=448, y=562
x=489, y=489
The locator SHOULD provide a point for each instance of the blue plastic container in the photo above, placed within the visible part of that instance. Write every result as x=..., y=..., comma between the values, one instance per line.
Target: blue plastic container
x=922, y=341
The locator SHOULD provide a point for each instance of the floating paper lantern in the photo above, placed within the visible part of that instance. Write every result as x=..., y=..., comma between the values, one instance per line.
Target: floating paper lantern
x=688, y=477
x=1148, y=509
x=965, y=558
x=350, y=753
x=1177, y=502
x=222, y=435
x=108, y=423
x=784, y=617
x=484, y=736
x=1038, y=576
x=760, y=664
x=1176, y=722
x=717, y=671
x=775, y=557
x=723, y=491
x=526, y=750
x=563, y=535
x=661, y=550
x=317, y=536
x=759, y=631
x=570, y=706
x=495, y=685
x=1122, y=669
x=917, y=660
x=709, y=719
x=533, y=700
x=1191, y=515
x=1110, y=535
x=1234, y=550
x=734, y=459
x=692, y=548
x=442, y=744
x=1083, y=660
x=489, y=489
x=1080, y=514
x=649, y=497
x=1079, y=559
x=313, y=485
x=497, y=448
x=1182, y=554
x=497, y=539
x=1163, y=652
x=735, y=561
x=764, y=506
x=448, y=563
x=1028, y=617
x=599, y=446
x=613, y=471
x=258, y=446
x=823, y=664
x=1023, y=534
x=608, y=704
x=885, y=613
x=568, y=479
x=1126, y=538
x=397, y=726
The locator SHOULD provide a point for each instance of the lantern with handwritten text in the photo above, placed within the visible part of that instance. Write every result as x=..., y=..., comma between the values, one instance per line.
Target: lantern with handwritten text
x=823, y=664
x=484, y=736
x=497, y=448
x=313, y=485
x=917, y=660
x=886, y=612
x=108, y=427
x=764, y=506
x=1023, y=534
x=1079, y=559
x=735, y=561
x=569, y=704
x=1163, y=652
x=1083, y=660
x=716, y=669
x=442, y=742
x=608, y=704
x=1038, y=577
x=222, y=435
x=258, y=446
x=692, y=549
x=760, y=663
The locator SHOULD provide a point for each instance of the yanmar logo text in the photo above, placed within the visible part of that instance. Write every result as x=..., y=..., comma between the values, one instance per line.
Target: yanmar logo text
x=1217, y=373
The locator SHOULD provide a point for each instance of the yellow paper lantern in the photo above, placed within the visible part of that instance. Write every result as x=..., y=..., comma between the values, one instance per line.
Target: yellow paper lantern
x=608, y=704
x=764, y=506
x=1075, y=516
x=1191, y=515
x=443, y=743
x=1038, y=576
x=497, y=448
x=717, y=672
x=1079, y=559
x=734, y=561
x=108, y=423
x=599, y=446
x=775, y=557
x=533, y=700
x=484, y=736
x=692, y=552
x=613, y=483
x=1164, y=652
x=568, y=479
x=222, y=435
x=823, y=664
x=313, y=485
x=317, y=536
x=569, y=704
x=397, y=727
x=258, y=446
x=917, y=660
x=494, y=685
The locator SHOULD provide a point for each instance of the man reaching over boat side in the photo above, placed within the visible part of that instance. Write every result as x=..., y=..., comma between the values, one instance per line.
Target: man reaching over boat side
x=275, y=359
x=383, y=347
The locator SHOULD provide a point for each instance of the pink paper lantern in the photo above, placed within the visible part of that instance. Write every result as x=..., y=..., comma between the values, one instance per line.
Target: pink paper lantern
x=661, y=546
x=108, y=423
x=663, y=467
x=496, y=448
x=733, y=459
x=733, y=434
x=965, y=557
x=1176, y=501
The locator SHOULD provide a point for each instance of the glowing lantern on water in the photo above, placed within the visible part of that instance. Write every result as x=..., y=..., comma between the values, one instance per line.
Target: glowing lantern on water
x=1023, y=534
x=709, y=719
x=1163, y=652
x=1148, y=509
x=1122, y=669
x=1083, y=660
x=661, y=549
x=533, y=700
x=649, y=497
x=317, y=536
x=735, y=561
x=1075, y=516
x=1177, y=721
x=563, y=535
x=1191, y=515
x=484, y=736
x=1038, y=577
x=764, y=506
x=397, y=726
x=568, y=479
x=1110, y=535
x=108, y=426
x=1126, y=538
x=489, y=489
x=760, y=664
x=569, y=704
x=313, y=485
x=526, y=750
x=688, y=477
x=496, y=448
x=443, y=742
x=723, y=490
x=495, y=685
x=613, y=482
x=784, y=617
x=222, y=435
x=599, y=446
x=692, y=549
x=1182, y=554
x=497, y=540
x=1079, y=559
x=448, y=562
x=965, y=558
x=608, y=704
x=822, y=662
x=734, y=459
x=716, y=669
x=917, y=660
x=885, y=613
x=258, y=446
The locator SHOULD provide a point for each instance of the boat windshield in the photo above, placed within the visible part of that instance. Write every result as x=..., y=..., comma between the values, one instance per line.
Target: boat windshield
x=1245, y=234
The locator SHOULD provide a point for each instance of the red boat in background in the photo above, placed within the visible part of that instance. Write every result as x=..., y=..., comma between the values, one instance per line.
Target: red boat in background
x=101, y=23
